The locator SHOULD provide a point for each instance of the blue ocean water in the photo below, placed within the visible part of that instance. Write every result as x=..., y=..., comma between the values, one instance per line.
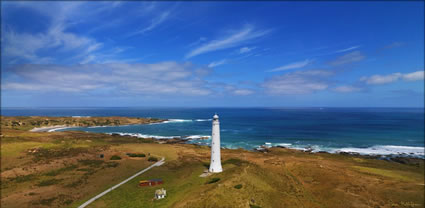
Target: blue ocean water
x=363, y=130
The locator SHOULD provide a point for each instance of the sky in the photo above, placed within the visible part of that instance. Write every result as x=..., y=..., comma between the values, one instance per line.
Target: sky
x=212, y=54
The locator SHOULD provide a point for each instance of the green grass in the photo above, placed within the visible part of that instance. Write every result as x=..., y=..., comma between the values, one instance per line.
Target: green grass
x=234, y=161
x=382, y=172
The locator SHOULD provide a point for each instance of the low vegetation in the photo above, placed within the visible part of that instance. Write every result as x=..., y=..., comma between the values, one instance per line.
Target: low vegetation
x=136, y=155
x=29, y=122
x=152, y=159
x=49, y=182
x=213, y=180
x=63, y=169
x=115, y=157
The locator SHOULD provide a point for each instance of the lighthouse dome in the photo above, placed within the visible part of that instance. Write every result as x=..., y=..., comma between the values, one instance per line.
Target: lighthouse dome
x=215, y=116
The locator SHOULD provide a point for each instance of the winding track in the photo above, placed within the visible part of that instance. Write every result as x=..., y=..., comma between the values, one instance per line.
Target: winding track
x=159, y=163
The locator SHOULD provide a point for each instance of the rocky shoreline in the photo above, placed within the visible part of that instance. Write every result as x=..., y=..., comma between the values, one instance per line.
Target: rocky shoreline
x=399, y=158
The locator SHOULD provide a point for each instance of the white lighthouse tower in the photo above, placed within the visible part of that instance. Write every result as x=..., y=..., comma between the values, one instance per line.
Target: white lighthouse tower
x=215, y=165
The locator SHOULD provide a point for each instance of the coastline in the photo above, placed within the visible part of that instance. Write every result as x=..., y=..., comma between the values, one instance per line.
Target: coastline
x=49, y=128
x=83, y=160
x=266, y=148
x=378, y=151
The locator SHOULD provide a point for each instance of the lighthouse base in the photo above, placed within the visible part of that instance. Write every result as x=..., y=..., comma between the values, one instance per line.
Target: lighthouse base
x=215, y=170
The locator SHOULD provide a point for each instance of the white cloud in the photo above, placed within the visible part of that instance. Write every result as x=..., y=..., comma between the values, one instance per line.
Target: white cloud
x=384, y=79
x=381, y=79
x=243, y=92
x=352, y=57
x=414, y=76
x=299, y=82
x=217, y=63
x=27, y=46
x=245, y=50
x=248, y=32
x=146, y=79
x=347, y=88
x=295, y=65
x=231, y=89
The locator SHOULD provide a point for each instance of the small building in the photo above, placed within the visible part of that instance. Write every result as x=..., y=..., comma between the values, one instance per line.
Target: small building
x=152, y=182
x=160, y=193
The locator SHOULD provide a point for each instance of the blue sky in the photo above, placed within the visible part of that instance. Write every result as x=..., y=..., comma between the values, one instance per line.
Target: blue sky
x=277, y=54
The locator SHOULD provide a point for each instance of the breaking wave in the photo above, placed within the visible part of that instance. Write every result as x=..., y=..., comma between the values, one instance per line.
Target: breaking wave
x=139, y=135
x=384, y=150
x=203, y=119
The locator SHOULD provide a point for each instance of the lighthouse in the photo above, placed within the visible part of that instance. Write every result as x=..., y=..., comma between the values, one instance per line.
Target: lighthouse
x=215, y=165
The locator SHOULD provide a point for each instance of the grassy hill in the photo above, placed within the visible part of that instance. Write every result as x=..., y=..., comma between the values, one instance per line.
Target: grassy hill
x=64, y=169
x=30, y=122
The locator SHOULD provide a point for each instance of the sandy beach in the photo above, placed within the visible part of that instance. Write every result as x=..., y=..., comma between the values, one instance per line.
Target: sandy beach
x=49, y=128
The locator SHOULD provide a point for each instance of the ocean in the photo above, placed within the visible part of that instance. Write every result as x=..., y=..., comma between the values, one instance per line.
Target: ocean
x=383, y=131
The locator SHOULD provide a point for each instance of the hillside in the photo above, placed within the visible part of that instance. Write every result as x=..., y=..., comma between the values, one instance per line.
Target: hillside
x=63, y=169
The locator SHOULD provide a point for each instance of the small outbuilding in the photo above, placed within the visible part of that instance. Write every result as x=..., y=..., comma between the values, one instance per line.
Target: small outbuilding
x=152, y=182
x=160, y=193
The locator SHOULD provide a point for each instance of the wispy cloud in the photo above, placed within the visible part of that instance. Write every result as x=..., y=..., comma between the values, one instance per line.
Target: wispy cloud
x=246, y=49
x=246, y=33
x=295, y=65
x=348, y=58
x=347, y=89
x=217, y=63
x=146, y=79
x=384, y=79
x=31, y=47
x=155, y=22
x=299, y=82
x=347, y=49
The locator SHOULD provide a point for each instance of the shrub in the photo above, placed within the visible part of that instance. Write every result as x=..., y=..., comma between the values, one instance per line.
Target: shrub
x=115, y=157
x=48, y=201
x=152, y=159
x=213, y=180
x=91, y=163
x=25, y=178
x=49, y=182
x=136, y=155
x=239, y=186
x=61, y=170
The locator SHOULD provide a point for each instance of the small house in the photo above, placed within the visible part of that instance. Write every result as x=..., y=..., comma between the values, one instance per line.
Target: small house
x=160, y=193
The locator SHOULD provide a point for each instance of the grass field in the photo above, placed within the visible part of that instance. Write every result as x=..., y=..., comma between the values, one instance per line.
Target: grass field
x=64, y=169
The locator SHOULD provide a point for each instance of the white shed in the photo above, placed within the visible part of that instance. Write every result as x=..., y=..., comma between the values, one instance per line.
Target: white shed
x=160, y=193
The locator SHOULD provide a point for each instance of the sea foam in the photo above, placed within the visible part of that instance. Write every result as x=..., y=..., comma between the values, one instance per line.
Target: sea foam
x=385, y=150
